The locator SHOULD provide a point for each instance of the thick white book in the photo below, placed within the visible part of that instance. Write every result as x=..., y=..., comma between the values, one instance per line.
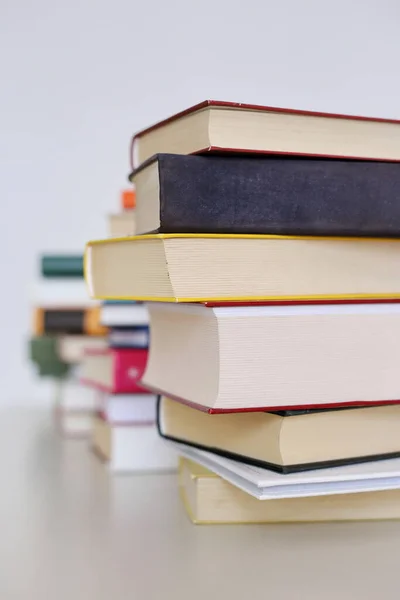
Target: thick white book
x=60, y=293
x=225, y=358
x=129, y=408
x=266, y=485
x=124, y=315
x=132, y=448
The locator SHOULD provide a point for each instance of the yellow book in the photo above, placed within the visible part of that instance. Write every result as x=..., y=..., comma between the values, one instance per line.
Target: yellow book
x=209, y=499
x=242, y=268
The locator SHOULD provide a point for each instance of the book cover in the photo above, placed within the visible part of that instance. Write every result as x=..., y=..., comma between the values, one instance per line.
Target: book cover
x=61, y=266
x=265, y=484
x=130, y=364
x=277, y=409
x=71, y=321
x=115, y=370
x=43, y=353
x=129, y=337
x=352, y=268
x=275, y=195
x=209, y=499
x=277, y=468
x=254, y=108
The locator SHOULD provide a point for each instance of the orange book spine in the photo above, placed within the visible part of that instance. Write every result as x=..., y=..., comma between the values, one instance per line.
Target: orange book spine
x=91, y=322
x=38, y=321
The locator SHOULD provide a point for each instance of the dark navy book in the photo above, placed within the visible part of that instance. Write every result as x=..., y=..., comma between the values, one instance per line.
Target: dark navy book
x=282, y=195
x=128, y=337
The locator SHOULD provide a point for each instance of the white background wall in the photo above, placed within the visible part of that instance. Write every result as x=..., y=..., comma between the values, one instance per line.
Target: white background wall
x=78, y=77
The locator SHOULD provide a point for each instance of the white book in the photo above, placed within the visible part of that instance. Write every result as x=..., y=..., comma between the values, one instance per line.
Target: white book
x=71, y=348
x=266, y=485
x=132, y=448
x=124, y=315
x=60, y=293
x=275, y=357
x=74, y=423
x=129, y=408
x=73, y=396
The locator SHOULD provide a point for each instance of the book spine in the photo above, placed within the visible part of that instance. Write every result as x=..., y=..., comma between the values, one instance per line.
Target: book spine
x=129, y=368
x=43, y=349
x=48, y=321
x=62, y=266
x=278, y=195
x=129, y=338
x=68, y=321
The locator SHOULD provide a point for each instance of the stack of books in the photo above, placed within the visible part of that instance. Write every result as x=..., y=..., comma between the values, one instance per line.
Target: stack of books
x=124, y=427
x=123, y=222
x=66, y=322
x=271, y=268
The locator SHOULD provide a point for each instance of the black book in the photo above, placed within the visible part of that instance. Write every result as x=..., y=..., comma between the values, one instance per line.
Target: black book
x=64, y=321
x=267, y=195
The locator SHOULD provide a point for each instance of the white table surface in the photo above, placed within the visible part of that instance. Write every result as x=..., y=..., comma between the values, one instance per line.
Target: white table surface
x=70, y=530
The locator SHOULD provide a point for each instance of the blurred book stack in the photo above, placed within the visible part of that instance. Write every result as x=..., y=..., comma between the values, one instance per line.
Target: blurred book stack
x=123, y=222
x=65, y=323
x=124, y=429
x=271, y=268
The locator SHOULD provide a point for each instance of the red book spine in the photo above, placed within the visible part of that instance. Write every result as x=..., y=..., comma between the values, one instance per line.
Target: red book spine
x=129, y=366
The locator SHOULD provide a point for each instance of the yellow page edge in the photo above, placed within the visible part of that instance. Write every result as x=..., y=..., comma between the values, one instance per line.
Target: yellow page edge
x=236, y=299
x=246, y=236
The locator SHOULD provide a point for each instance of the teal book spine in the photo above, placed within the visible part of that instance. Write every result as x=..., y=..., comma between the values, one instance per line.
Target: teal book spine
x=62, y=266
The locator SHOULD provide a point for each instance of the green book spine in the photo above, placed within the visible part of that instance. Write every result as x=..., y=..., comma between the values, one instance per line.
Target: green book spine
x=56, y=370
x=43, y=349
x=62, y=265
x=43, y=352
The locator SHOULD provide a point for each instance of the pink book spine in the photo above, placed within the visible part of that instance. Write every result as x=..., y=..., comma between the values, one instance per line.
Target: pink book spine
x=129, y=366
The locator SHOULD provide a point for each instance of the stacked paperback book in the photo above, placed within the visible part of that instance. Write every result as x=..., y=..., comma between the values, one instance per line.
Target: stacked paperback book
x=124, y=430
x=269, y=252
x=66, y=322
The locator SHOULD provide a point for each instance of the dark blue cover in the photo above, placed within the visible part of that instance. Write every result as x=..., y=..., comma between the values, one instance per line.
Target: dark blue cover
x=278, y=195
x=129, y=337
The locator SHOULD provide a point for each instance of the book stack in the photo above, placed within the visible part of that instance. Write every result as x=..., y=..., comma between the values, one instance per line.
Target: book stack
x=123, y=222
x=66, y=322
x=269, y=253
x=124, y=428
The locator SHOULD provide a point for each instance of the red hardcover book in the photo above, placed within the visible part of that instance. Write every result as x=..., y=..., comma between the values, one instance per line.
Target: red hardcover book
x=215, y=126
x=115, y=370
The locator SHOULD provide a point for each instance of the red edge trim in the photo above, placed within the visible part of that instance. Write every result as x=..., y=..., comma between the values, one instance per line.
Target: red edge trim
x=97, y=386
x=97, y=351
x=220, y=411
x=258, y=107
x=115, y=390
x=303, y=302
x=239, y=151
x=115, y=351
